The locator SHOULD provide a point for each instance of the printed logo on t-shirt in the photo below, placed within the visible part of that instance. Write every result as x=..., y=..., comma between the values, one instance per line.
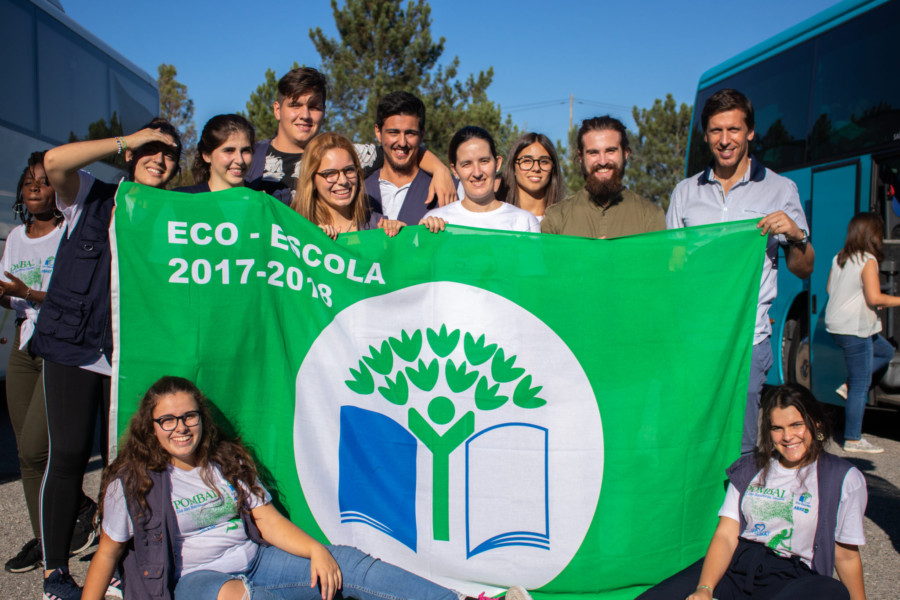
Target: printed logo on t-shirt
x=804, y=502
x=274, y=170
x=208, y=509
x=773, y=507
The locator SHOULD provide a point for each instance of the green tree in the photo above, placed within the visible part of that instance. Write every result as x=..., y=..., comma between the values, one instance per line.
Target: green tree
x=568, y=159
x=658, y=150
x=259, y=107
x=384, y=46
x=406, y=371
x=177, y=107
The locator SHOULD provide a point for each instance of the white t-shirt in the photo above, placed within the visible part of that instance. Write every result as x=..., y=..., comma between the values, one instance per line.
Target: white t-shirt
x=784, y=513
x=847, y=312
x=211, y=534
x=31, y=260
x=507, y=217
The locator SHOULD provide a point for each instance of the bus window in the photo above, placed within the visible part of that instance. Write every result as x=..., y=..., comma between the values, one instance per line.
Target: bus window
x=17, y=48
x=856, y=102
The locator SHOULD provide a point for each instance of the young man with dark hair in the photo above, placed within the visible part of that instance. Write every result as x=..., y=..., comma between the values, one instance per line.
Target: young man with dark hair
x=399, y=189
x=603, y=208
x=299, y=109
x=736, y=186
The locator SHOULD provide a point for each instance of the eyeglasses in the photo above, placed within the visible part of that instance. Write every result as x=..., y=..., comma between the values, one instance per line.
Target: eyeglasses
x=526, y=163
x=332, y=175
x=170, y=422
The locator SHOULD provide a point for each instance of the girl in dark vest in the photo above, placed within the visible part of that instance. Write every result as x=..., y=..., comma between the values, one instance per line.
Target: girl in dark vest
x=224, y=154
x=792, y=515
x=185, y=508
x=74, y=333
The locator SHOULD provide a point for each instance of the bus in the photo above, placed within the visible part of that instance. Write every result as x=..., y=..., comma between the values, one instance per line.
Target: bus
x=62, y=84
x=826, y=97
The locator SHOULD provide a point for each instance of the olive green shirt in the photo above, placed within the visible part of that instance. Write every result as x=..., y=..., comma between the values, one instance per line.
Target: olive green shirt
x=626, y=214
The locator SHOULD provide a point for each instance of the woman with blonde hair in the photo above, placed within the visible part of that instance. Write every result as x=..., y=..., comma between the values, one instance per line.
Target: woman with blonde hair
x=330, y=192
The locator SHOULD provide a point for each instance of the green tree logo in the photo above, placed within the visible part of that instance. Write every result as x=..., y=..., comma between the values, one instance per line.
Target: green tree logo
x=397, y=363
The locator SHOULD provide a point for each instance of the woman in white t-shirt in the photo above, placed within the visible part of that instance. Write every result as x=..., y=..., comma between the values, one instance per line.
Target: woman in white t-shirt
x=26, y=265
x=475, y=162
x=218, y=535
x=854, y=291
x=792, y=515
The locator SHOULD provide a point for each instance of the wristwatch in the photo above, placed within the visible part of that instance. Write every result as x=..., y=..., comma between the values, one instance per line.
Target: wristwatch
x=802, y=241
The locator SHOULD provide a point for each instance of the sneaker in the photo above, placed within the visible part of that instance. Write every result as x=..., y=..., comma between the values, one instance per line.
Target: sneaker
x=60, y=586
x=862, y=445
x=842, y=390
x=31, y=556
x=115, y=588
x=85, y=531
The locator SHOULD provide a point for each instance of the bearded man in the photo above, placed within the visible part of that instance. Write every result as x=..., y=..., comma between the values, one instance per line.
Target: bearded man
x=603, y=208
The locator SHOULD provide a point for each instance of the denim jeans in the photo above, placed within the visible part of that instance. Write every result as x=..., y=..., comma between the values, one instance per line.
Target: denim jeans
x=864, y=356
x=760, y=363
x=278, y=575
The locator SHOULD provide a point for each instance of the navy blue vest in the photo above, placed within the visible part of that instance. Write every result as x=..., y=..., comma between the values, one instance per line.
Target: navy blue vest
x=149, y=557
x=830, y=472
x=74, y=327
x=414, y=207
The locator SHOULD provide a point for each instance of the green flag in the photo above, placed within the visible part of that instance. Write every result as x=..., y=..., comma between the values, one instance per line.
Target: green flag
x=482, y=408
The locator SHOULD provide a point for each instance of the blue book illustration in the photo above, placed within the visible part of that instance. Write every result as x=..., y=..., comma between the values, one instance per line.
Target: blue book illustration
x=377, y=479
x=498, y=459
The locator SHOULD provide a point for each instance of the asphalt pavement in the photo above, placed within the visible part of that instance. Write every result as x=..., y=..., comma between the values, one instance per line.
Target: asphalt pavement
x=880, y=555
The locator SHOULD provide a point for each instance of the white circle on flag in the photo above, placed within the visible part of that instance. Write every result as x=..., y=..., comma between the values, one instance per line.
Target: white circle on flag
x=522, y=479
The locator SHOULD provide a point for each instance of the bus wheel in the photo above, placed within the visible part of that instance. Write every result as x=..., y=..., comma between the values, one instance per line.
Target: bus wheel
x=795, y=354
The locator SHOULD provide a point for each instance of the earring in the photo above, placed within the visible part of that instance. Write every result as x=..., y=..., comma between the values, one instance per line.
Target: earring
x=820, y=437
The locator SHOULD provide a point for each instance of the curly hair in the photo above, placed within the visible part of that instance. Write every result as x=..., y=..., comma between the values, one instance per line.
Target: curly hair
x=306, y=197
x=785, y=396
x=141, y=451
x=34, y=160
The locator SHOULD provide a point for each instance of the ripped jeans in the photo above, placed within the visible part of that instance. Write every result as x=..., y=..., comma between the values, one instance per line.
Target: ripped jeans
x=277, y=575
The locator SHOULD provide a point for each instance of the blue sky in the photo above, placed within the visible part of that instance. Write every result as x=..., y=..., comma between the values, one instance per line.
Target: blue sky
x=609, y=55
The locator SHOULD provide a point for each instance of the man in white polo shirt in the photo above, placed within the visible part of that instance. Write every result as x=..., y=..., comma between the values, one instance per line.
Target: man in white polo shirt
x=737, y=187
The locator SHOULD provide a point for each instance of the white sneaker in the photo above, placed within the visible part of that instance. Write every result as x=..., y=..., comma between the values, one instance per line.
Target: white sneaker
x=842, y=390
x=862, y=445
x=517, y=592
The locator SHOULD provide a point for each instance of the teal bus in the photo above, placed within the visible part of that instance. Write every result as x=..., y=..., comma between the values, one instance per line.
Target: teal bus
x=826, y=97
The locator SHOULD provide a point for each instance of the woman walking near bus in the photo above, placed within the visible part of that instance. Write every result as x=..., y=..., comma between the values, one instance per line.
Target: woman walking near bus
x=74, y=333
x=854, y=292
x=531, y=176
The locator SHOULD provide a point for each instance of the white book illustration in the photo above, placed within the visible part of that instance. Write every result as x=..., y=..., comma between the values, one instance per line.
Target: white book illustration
x=510, y=456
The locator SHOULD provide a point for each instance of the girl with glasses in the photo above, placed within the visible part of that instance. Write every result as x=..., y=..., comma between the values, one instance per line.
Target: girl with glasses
x=531, y=177
x=185, y=508
x=330, y=192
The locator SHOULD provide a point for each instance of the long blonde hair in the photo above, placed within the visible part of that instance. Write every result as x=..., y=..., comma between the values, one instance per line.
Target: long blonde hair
x=306, y=197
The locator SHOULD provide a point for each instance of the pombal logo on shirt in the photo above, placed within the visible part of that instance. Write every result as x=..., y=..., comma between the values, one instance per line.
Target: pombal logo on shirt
x=448, y=430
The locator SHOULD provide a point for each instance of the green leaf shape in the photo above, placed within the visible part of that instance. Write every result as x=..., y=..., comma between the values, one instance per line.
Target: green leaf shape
x=459, y=379
x=381, y=362
x=486, y=397
x=502, y=370
x=443, y=343
x=476, y=350
x=407, y=347
x=525, y=396
x=397, y=390
x=362, y=382
x=424, y=377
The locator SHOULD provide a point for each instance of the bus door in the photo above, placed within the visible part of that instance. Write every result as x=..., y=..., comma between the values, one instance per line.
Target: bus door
x=835, y=200
x=886, y=202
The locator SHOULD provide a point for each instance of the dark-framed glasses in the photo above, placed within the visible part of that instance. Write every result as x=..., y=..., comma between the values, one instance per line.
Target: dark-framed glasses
x=170, y=422
x=526, y=163
x=332, y=175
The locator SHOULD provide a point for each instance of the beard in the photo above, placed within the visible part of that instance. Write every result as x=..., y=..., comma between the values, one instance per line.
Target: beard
x=405, y=168
x=603, y=190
